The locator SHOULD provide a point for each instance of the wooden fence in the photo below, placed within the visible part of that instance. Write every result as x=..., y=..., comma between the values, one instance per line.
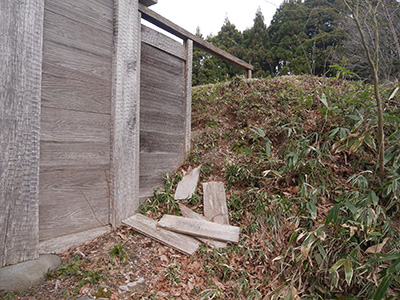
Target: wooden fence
x=94, y=107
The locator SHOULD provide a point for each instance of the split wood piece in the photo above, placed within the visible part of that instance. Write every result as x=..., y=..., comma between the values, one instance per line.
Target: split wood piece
x=214, y=200
x=188, y=213
x=200, y=228
x=187, y=186
x=148, y=227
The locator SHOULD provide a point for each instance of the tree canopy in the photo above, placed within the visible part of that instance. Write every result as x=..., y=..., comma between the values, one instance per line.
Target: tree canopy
x=304, y=37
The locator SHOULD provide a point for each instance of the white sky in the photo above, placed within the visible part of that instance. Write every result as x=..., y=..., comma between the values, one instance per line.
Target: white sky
x=209, y=15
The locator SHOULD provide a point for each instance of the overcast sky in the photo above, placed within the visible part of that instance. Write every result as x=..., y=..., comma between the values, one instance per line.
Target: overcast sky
x=209, y=15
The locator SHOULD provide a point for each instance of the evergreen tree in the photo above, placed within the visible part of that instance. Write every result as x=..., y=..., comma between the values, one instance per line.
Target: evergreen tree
x=255, y=47
x=304, y=35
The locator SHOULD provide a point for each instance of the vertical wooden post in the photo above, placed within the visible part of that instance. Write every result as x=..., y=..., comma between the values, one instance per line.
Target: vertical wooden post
x=248, y=74
x=21, y=27
x=188, y=94
x=125, y=111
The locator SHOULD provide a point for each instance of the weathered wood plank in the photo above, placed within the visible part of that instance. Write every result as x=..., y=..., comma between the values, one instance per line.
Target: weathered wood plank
x=148, y=227
x=149, y=183
x=148, y=2
x=170, y=27
x=85, y=189
x=78, y=63
x=155, y=141
x=188, y=94
x=125, y=110
x=157, y=60
x=63, y=243
x=163, y=122
x=154, y=163
x=187, y=186
x=68, y=32
x=54, y=154
x=63, y=92
x=215, y=208
x=74, y=126
x=162, y=42
x=200, y=228
x=21, y=27
x=90, y=12
x=171, y=101
x=152, y=167
x=188, y=213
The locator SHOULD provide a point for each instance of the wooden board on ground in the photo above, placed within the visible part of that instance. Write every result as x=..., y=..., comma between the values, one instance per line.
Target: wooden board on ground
x=188, y=213
x=187, y=186
x=215, y=208
x=148, y=227
x=200, y=228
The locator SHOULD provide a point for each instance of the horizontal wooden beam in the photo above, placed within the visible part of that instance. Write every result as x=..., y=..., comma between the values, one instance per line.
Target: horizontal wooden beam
x=178, y=31
x=148, y=2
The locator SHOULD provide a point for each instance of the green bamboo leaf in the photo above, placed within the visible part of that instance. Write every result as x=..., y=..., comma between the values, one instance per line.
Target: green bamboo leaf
x=333, y=214
x=312, y=210
x=322, y=252
x=382, y=287
x=394, y=268
x=351, y=207
x=348, y=271
x=338, y=264
x=355, y=145
x=324, y=100
x=370, y=141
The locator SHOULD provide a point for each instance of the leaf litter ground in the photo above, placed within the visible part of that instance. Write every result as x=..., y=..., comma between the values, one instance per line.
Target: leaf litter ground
x=243, y=132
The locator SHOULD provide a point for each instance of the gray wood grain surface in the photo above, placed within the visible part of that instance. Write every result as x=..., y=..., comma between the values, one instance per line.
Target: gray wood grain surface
x=66, y=92
x=63, y=243
x=200, y=228
x=77, y=35
x=72, y=199
x=162, y=109
x=74, y=126
x=188, y=94
x=187, y=186
x=148, y=227
x=125, y=110
x=215, y=208
x=76, y=117
x=188, y=213
x=21, y=27
x=95, y=13
x=156, y=141
x=80, y=64
x=162, y=42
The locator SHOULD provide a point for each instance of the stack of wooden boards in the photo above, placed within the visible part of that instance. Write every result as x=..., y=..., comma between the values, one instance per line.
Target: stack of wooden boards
x=185, y=233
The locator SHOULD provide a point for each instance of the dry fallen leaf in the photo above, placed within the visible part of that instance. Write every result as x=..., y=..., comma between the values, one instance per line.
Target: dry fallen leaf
x=377, y=248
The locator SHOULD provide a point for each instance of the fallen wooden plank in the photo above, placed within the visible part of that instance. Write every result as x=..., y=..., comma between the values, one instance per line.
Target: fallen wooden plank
x=187, y=186
x=148, y=227
x=214, y=200
x=188, y=213
x=200, y=228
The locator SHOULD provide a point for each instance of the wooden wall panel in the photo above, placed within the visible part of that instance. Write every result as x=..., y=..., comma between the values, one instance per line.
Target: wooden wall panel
x=75, y=63
x=95, y=13
x=75, y=143
x=162, y=109
x=77, y=35
x=70, y=195
x=158, y=40
x=63, y=125
x=21, y=31
x=66, y=92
